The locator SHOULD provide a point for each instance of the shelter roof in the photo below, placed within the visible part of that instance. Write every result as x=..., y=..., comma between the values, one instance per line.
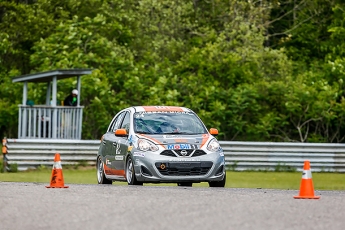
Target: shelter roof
x=48, y=75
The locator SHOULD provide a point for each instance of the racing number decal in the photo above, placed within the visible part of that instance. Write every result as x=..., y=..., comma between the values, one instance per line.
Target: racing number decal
x=117, y=147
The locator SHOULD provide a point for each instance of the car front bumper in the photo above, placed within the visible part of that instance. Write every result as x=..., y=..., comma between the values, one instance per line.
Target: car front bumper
x=154, y=168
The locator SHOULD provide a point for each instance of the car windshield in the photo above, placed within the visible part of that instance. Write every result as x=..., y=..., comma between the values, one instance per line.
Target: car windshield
x=168, y=123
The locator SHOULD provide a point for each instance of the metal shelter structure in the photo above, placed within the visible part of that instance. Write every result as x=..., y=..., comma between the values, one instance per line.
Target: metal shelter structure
x=50, y=121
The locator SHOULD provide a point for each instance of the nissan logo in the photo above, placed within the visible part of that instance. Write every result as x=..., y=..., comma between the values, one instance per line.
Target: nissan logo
x=184, y=152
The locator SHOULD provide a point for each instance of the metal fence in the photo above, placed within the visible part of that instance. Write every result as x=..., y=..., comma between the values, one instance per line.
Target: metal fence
x=30, y=153
x=58, y=122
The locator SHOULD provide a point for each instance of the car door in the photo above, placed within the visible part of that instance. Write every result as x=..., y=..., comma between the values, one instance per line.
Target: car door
x=107, y=142
x=121, y=145
x=115, y=150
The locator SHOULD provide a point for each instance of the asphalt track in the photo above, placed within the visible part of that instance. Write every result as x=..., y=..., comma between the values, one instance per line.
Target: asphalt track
x=32, y=206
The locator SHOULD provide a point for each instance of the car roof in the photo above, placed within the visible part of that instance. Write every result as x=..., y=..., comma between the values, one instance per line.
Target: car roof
x=161, y=109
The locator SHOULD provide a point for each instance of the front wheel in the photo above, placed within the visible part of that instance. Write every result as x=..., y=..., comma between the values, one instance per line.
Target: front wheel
x=218, y=183
x=130, y=173
x=100, y=173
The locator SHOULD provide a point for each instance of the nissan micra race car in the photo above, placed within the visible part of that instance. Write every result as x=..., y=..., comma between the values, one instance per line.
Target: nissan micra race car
x=160, y=144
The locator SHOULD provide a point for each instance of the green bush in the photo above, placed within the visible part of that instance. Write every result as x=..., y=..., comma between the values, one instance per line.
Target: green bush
x=42, y=168
x=13, y=168
x=284, y=168
x=83, y=163
x=233, y=166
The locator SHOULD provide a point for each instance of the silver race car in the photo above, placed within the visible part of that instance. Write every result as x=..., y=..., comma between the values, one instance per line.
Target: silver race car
x=160, y=144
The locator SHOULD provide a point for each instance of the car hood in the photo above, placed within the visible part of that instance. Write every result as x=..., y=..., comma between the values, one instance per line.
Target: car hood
x=197, y=140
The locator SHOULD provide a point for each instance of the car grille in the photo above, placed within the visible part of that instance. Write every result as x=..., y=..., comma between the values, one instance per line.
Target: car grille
x=198, y=153
x=184, y=168
x=179, y=153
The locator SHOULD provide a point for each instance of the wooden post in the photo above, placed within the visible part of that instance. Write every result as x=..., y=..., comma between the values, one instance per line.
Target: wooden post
x=24, y=118
x=54, y=120
x=78, y=88
x=4, y=152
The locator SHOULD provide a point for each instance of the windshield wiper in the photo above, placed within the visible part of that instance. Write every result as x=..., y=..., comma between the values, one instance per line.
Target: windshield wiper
x=143, y=132
x=178, y=133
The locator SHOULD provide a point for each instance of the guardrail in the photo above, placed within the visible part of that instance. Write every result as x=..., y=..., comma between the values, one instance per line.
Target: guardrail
x=284, y=156
x=32, y=153
x=239, y=156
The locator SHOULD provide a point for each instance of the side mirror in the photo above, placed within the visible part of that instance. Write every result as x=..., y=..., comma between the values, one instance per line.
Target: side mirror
x=213, y=131
x=121, y=133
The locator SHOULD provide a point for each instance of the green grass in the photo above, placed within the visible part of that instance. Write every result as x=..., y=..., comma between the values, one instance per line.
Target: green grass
x=284, y=180
x=272, y=180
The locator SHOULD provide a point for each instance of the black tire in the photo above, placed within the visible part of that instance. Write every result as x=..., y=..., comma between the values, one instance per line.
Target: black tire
x=100, y=173
x=185, y=184
x=219, y=184
x=130, y=173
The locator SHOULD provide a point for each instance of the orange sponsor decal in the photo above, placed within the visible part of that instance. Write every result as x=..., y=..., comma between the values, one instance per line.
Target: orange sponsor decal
x=180, y=140
x=162, y=108
x=110, y=171
x=153, y=139
x=204, y=139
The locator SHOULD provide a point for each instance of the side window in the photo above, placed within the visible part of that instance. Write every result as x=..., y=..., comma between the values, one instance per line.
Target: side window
x=116, y=122
x=126, y=122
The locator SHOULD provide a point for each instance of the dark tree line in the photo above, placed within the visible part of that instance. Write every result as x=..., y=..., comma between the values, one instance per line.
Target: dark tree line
x=256, y=70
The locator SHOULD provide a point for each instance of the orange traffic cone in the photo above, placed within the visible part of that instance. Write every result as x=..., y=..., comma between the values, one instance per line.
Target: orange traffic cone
x=56, y=180
x=307, y=188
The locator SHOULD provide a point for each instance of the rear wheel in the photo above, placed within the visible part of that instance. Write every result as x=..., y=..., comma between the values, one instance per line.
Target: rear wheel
x=100, y=173
x=130, y=173
x=218, y=183
x=185, y=184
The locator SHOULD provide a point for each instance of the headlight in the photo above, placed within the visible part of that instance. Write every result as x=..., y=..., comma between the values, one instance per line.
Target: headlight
x=145, y=145
x=213, y=145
